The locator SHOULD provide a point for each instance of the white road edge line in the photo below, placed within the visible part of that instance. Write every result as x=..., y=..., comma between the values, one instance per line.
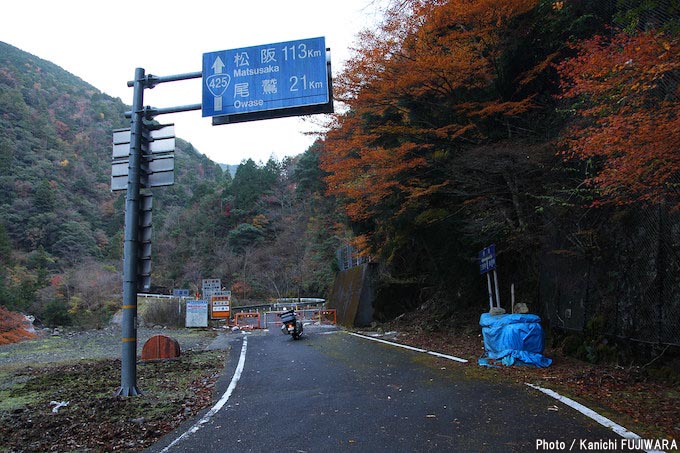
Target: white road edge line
x=450, y=357
x=602, y=420
x=232, y=385
x=445, y=356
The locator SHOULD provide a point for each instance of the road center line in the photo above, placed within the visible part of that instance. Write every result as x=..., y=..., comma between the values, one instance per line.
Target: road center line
x=232, y=385
x=437, y=354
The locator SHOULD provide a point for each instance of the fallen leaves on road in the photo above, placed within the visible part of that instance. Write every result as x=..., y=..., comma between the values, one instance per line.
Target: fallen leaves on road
x=649, y=407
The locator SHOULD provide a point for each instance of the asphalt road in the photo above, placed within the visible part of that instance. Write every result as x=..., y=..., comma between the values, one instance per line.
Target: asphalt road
x=331, y=391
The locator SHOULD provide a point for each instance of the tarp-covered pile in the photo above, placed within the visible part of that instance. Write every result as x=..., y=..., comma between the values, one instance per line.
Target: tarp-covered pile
x=510, y=338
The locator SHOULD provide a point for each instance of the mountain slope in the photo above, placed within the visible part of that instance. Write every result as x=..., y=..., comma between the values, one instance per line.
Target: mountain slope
x=55, y=159
x=62, y=224
x=252, y=227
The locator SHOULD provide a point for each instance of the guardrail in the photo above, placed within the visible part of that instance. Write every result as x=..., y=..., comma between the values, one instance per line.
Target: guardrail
x=299, y=300
x=279, y=303
x=157, y=296
x=276, y=306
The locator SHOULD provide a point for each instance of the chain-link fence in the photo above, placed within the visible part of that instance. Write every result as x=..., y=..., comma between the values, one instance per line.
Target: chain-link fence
x=348, y=257
x=619, y=276
x=617, y=271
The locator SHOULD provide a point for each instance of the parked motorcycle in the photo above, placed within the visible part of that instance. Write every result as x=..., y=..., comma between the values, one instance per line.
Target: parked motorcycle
x=291, y=325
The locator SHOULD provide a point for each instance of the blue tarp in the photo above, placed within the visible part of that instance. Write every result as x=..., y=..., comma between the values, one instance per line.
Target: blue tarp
x=515, y=337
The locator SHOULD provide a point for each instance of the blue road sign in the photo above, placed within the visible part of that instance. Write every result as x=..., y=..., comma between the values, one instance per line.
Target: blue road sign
x=487, y=259
x=267, y=77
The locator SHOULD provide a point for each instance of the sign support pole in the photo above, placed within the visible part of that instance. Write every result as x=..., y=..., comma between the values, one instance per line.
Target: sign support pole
x=488, y=285
x=487, y=264
x=133, y=199
x=128, y=378
x=317, y=98
x=498, y=294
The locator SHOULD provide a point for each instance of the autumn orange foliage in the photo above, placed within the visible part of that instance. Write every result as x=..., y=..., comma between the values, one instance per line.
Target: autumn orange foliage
x=420, y=85
x=626, y=91
x=435, y=52
x=13, y=327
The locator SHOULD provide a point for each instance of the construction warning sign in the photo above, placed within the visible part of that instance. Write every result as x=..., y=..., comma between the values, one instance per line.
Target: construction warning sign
x=220, y=306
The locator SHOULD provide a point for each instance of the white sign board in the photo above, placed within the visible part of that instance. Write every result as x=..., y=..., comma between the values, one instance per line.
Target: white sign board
x=210, y=286
x=197, y=313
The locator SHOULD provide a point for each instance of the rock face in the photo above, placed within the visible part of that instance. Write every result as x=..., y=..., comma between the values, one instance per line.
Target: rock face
x=521, y=308
x=160, y=347
x=495, y=311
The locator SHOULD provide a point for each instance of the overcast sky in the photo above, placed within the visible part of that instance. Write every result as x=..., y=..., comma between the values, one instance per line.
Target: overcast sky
x=102, y=42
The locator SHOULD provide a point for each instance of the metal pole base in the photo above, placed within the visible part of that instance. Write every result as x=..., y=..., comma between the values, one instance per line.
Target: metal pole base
x=128, y=391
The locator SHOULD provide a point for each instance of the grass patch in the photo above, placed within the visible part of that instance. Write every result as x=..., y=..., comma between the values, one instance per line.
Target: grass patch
x=10, y=403
x=95, y=419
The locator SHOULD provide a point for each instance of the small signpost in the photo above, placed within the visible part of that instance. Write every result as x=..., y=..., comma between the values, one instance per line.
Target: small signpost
x=220, y=306
x=210, y=286
x=487, y=264
x=158, y=160
x=144, y=228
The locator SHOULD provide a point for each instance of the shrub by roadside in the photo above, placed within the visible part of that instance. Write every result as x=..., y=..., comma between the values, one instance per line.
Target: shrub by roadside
x=13, y=327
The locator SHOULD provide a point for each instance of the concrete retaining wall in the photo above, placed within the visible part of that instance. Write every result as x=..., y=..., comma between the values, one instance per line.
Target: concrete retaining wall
x=352, y=295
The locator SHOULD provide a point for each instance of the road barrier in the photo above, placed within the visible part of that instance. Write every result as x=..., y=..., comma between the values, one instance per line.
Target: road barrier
x=249, y=320
x=326, y=316
x=320, y=316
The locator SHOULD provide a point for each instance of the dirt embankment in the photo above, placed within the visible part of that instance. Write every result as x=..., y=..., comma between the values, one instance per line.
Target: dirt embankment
x=57, y=392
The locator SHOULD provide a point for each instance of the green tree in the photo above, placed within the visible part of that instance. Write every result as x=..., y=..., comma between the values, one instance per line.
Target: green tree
x=251, y=182
x=75, y=241
x=308, y=176
x=5, y=262
x=227, y=178
x=246, y=186
x=6, y=157
x=56, y=313
x=245, y=235
x=43, y=197
x=40, y=262
x=5, y=249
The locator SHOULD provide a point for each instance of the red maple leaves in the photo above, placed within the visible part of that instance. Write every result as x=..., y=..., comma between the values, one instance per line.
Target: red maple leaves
x=419, y=84
x=625, y=90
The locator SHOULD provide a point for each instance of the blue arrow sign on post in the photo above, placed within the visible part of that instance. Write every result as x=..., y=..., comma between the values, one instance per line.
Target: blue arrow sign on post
x=487, y=259
x=266, y=77
x=487, y=263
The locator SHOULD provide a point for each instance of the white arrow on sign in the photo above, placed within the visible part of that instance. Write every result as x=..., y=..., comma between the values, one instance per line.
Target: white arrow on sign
x=218, y=66
x=218, y=83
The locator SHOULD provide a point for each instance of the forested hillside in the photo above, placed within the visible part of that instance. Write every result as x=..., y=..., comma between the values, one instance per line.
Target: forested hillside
x=547, y=128
x=61, y=227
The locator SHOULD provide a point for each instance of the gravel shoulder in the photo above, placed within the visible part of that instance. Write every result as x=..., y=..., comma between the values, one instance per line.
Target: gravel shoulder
x=93, y=344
